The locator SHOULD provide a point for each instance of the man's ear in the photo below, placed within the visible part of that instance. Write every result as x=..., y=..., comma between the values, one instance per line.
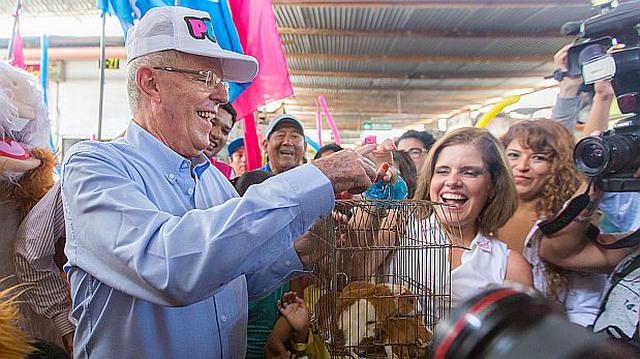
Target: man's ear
x=264, y=144
x=147, y=83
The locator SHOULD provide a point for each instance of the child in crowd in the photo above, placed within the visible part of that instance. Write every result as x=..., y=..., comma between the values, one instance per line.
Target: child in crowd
x=292, y=336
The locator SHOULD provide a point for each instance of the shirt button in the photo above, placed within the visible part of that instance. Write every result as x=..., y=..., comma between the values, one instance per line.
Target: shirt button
x=190, y=191
x=288, y=263
x=172, y=176
x=223, y=318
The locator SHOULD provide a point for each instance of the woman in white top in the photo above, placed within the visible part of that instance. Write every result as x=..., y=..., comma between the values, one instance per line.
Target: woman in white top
x=467, y=170
x=540, y=156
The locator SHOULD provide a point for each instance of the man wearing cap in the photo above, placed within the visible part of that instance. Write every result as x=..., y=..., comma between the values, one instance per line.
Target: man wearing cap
x=237, y=160
x=162, y=253
x=221, y=125
x=285, y=144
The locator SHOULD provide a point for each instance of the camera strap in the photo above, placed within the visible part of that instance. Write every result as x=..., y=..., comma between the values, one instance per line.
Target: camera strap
x=571, y=211
x=568, y=214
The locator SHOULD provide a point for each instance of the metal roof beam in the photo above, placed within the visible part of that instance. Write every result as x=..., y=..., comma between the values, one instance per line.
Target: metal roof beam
x=458, y=59
x=376, y=100
x=418, y=34
x=433, y=4
x=415, y=88
x=404, y=76
x=375, y=109
x=372, y=92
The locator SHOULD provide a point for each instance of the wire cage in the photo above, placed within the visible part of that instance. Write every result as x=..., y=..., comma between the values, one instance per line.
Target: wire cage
x=381, y=278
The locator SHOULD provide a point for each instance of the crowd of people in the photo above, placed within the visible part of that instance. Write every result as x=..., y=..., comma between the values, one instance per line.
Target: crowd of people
x=151, y=247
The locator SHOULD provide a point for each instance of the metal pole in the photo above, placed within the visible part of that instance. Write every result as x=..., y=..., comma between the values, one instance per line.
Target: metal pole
x=15, y=25
x=102, y=65
x=44, y=64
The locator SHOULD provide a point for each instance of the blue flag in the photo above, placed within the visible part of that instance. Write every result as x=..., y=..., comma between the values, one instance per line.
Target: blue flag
x=128, y=11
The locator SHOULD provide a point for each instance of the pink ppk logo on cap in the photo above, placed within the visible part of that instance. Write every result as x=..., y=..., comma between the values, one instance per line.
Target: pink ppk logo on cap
x=200, y=28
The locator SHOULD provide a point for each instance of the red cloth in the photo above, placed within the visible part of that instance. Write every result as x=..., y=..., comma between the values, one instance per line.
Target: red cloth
x=254, y=156
x=222, y=167
x=259, y=37
x=258, y=33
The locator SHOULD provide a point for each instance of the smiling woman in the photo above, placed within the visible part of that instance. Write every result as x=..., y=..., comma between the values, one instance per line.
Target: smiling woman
x=467, y=170
x=540, y=155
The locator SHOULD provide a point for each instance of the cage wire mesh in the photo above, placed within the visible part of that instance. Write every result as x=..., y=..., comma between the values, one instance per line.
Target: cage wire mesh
x=381, y=279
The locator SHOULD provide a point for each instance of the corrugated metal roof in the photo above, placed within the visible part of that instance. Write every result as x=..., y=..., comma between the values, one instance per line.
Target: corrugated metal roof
x=51, y=7
x=342, y=17
x=405, y=18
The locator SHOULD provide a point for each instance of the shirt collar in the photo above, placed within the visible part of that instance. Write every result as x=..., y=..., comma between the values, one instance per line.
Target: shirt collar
x=167, y=160
x=482, y=242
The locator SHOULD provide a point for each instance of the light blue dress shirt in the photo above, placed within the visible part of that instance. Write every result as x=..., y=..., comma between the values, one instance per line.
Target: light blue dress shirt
x=163, y=254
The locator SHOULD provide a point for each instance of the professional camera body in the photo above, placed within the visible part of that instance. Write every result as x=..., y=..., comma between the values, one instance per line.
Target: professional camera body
x=612, y=158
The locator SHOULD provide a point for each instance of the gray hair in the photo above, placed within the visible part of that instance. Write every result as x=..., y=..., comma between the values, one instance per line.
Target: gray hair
x=162, y=58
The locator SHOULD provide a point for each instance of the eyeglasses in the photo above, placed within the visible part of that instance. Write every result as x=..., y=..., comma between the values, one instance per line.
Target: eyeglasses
x=209, y=78
x=416, y=153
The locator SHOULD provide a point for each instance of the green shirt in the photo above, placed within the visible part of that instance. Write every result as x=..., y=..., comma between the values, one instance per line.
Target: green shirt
x=263, y=314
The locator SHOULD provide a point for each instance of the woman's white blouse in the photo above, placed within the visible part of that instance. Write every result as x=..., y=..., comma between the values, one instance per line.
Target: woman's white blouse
x=582, y=298
x=427, y=270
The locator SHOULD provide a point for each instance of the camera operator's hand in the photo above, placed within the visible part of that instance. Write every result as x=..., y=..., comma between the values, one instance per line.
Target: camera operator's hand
x=604, y=91
x=598, y=118
x=569, y=85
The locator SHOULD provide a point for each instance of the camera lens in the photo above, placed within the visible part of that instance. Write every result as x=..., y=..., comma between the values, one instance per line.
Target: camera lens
x=591, y=156
x=510, y=323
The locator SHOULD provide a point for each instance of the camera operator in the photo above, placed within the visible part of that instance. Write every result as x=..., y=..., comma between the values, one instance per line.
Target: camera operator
x=571, y=248
x=567, y=106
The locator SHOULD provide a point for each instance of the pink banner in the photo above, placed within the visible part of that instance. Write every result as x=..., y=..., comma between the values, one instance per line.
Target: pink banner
x=17, y=57
x=254, y=158
x=319, y=126
x=332, y=124
x=259, y=37
x=258, y=33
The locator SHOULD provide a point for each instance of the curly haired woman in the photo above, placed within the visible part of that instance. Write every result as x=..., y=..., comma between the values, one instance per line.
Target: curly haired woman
x=540, y=155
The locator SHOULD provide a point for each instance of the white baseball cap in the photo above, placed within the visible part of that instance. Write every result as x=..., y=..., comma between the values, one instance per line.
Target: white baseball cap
x=189, y=31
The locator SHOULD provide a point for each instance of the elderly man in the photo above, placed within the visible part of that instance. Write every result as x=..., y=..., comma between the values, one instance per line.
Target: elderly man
x=163, y=254
x=285, y=144
x=221, y=125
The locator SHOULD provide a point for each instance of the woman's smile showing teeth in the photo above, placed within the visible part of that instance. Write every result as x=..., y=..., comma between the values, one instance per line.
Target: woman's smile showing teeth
x=455, y=200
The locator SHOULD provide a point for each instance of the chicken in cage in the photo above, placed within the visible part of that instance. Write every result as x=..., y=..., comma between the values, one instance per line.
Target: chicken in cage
x=381, y=278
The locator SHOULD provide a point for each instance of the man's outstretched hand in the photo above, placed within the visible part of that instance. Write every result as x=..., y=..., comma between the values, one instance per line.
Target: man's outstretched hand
x=349, y=170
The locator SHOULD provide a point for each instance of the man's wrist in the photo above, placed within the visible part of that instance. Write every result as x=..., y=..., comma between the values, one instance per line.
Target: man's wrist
x=603, y=97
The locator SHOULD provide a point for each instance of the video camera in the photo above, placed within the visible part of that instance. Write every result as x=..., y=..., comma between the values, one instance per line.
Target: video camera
x=611, y=51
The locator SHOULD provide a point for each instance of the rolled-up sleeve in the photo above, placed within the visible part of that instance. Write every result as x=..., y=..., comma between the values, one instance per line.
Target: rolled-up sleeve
x=565, y=111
